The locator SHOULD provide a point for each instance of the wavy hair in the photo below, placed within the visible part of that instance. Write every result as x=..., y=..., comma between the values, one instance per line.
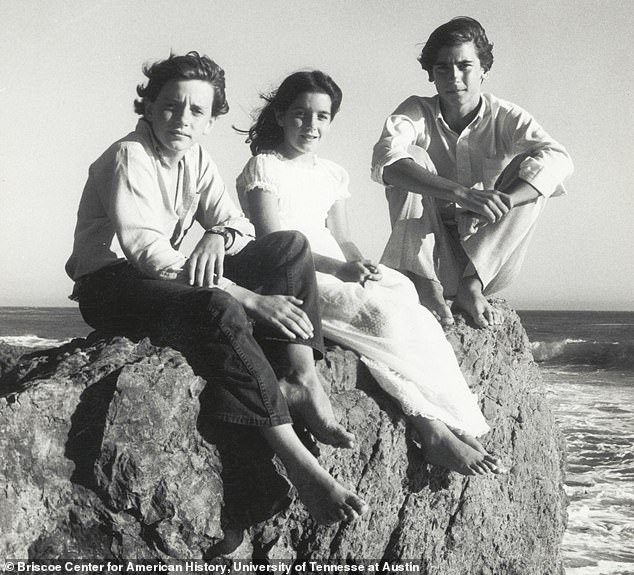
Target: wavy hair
x=191, y=66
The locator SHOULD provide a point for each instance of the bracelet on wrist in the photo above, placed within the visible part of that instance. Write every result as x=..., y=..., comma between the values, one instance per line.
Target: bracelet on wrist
x=226, y=234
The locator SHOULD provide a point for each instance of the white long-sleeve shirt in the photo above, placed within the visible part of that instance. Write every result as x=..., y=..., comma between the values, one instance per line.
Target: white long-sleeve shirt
x=476, y=157
x=137, y=207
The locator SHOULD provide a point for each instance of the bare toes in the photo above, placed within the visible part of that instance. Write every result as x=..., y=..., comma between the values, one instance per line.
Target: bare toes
x=357, y=505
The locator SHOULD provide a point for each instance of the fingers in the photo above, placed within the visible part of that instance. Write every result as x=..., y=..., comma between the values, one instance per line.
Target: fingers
x=370, y=272
x=493, y=212
x=491, y=204
x=204, y=270
x=205, y=266
x=291, y=320
x=220, y=269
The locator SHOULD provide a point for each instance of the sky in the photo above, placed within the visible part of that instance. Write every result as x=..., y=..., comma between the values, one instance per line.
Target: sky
x=69, y=70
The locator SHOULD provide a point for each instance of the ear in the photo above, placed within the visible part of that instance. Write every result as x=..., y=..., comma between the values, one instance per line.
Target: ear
x=148, y=107
x=430, y=76
x=279, y=118
x=209, y=125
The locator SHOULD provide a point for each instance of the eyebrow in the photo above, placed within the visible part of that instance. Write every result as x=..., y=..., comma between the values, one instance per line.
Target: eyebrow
x=464, y=61
x=302, y=108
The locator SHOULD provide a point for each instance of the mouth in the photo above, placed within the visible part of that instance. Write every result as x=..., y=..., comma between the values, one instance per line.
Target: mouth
x=310, y=137
x=179, y=134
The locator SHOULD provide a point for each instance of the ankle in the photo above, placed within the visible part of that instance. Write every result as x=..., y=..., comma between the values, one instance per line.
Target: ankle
x=472, y=283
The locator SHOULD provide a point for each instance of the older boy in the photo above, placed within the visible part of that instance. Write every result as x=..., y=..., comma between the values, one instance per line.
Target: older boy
x=467, y=174
x=142, y=196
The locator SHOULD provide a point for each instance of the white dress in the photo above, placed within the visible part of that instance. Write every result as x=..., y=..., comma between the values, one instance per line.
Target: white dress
x=400, y=341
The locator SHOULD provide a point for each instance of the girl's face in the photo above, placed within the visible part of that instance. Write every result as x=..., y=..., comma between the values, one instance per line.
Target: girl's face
x=305, y=124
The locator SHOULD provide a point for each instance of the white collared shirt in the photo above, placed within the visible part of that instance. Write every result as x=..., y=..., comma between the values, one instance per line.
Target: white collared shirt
x=135, y=206
x=477, y=156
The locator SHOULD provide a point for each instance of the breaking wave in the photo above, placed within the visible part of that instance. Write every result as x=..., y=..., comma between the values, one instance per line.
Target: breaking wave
x=32, y=341
x=604, y=355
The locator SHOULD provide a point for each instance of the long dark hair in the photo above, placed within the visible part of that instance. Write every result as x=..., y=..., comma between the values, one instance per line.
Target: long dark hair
x=266, y=133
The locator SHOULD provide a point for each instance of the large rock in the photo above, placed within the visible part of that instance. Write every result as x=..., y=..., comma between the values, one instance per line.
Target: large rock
x=103, y=457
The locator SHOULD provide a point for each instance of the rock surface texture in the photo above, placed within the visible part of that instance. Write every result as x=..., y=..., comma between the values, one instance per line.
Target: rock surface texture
x=103, y=459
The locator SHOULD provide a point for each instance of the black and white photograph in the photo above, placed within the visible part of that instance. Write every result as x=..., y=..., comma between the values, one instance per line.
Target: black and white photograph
x=295, y=287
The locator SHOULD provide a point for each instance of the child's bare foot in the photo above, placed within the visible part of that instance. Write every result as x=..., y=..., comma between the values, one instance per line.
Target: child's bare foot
x=444, y=448
x=494, y=464
x=470, y=299
x=430, y=295
x=326, y=500
x=307, y=400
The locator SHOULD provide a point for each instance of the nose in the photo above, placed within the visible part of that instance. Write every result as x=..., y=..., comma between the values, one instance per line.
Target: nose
x=184, y=116
x=311, y=120
x=454, y=72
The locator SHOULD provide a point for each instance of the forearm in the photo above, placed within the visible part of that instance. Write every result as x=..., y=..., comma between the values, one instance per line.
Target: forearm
x=351, y=252
x=521, y=193
x=327, y=265
x=409, y=175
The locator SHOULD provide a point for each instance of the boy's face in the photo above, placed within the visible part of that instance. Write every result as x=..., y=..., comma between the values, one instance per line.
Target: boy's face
x=181, y=115
x=458, y=75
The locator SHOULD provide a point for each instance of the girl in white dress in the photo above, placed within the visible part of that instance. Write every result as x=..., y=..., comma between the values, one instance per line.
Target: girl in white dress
x=371, y=309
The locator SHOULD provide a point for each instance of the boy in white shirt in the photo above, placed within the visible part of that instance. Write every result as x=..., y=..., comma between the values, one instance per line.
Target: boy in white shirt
x=467, y=175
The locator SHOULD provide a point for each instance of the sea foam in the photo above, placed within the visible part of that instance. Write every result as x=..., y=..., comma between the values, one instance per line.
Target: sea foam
x=32, y=341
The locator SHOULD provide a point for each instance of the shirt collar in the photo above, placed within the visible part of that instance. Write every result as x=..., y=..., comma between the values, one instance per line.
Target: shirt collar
x=474, y=122
x=144, y=128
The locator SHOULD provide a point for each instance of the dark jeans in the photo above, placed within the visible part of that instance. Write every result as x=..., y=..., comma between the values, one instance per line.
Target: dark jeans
x=210, y=327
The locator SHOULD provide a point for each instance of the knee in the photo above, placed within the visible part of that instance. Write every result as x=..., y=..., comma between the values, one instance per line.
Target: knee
x=290, y=245
x=226, y=311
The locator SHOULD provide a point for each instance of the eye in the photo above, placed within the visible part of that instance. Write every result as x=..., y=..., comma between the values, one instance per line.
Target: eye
x=324, y=117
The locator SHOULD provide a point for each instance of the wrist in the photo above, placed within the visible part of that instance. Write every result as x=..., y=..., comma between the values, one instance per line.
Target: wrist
x=339, y=269
x=459, y=193
x=227, y=235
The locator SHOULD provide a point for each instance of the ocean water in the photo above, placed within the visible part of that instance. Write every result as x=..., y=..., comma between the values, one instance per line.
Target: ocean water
x=587, y=362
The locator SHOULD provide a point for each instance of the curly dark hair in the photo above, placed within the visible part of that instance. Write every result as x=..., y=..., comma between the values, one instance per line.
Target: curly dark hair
x=457, y=31
x=191, y=66
x=266, y=133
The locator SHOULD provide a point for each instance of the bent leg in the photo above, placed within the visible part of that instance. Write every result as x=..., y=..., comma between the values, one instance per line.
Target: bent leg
x=421, y=247
x=282, y=263
x=207, y=325
x=497, y=250
x=496, y=253
x=326, y=500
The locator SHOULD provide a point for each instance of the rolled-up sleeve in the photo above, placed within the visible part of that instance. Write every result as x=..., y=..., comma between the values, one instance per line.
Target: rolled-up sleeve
x=136, y=205
x=401, y=130
x=548, y=164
